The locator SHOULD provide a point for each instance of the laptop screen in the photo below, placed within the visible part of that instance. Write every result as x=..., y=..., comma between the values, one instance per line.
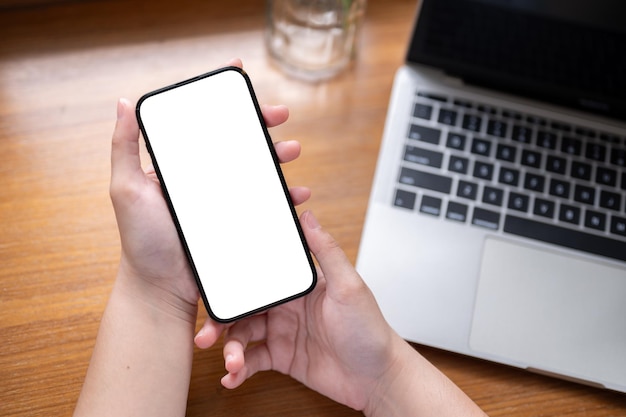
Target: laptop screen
x=570, y=53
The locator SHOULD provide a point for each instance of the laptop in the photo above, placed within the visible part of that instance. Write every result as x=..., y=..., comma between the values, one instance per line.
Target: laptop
x=496, y=225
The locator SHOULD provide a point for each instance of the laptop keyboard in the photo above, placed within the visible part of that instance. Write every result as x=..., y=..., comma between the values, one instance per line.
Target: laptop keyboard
x=515, y=173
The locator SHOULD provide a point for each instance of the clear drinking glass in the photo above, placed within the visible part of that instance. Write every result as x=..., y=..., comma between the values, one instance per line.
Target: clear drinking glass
x=313, y=39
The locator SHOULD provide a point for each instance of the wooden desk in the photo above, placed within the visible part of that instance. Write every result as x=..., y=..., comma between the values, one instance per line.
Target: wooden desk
x=62, y=69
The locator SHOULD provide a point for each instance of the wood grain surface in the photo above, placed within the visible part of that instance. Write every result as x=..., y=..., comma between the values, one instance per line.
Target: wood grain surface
x=62, y=68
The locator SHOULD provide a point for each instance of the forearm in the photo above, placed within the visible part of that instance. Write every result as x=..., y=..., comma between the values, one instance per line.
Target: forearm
x=141, y=363
x=419, y=389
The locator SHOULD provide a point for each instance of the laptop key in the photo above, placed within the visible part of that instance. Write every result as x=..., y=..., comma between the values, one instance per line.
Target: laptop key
x=462, y=103
x=423, y=156
x=486, y=109
x=493, y=196
x=508, y=176
x=606, y=176
x=509, y=114
x=610, y=200
x=481, y=147
x=497, y=128
x=447, y=117
x=430, y=205
x=425, y=134
x=486, y=218
x=531, y=158
x=456, y=212
x=559, y=188
x=422, y=111
x=571, y=146
x=546, y=139
x=404, y=199
x=425, y=180
x=562, y=236
x=432, y=96
x=472, y=122
x=563, y=127
x=522, y=134
x=581, y=170
x=467, y=190
x=607, y=137
x=583, y=131
x=536, y=120
x=506, y=153
x=458, y=164
x=584, y=194
x=544, y=208
x=618, y=226
x=569, y=214
x=455, y=141
x=556, y=164
x=595, y=151
x=483, y=170
x=518, y=202
x=534, y=182
x=595, y=220
x=618, y=157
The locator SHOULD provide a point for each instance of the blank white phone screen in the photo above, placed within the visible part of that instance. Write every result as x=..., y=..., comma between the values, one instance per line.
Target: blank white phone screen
x=213, y=157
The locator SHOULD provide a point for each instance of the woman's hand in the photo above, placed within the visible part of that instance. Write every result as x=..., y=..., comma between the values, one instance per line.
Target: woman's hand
x=334, y=340
x=152, y=255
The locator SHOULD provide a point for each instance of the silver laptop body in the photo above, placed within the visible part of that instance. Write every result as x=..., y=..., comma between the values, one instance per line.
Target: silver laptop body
x=496, y=225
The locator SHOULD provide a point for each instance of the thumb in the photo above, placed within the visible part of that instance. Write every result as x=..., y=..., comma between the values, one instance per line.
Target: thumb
x=125, y=159
x=209, y=333
x=341, y=277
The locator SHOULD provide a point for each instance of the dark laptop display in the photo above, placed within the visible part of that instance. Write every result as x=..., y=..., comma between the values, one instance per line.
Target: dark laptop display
x=532, y=48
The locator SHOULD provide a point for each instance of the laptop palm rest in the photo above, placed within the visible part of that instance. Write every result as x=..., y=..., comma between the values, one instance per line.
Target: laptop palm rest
x=551, y=311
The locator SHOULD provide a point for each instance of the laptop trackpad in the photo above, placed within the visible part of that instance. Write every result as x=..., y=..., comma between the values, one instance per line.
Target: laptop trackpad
x=552, y=312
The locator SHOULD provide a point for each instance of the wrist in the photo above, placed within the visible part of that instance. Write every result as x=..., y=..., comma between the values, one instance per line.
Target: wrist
x=387, y=398
x=413, y=386
x=161, y=298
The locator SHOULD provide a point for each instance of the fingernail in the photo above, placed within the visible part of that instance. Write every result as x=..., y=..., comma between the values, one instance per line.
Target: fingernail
x=227, y=360
x=311, y=221
x=120, y=108
x=198, y=338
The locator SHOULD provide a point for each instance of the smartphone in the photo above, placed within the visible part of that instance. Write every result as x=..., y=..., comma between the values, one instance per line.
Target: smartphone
x=226, y=192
